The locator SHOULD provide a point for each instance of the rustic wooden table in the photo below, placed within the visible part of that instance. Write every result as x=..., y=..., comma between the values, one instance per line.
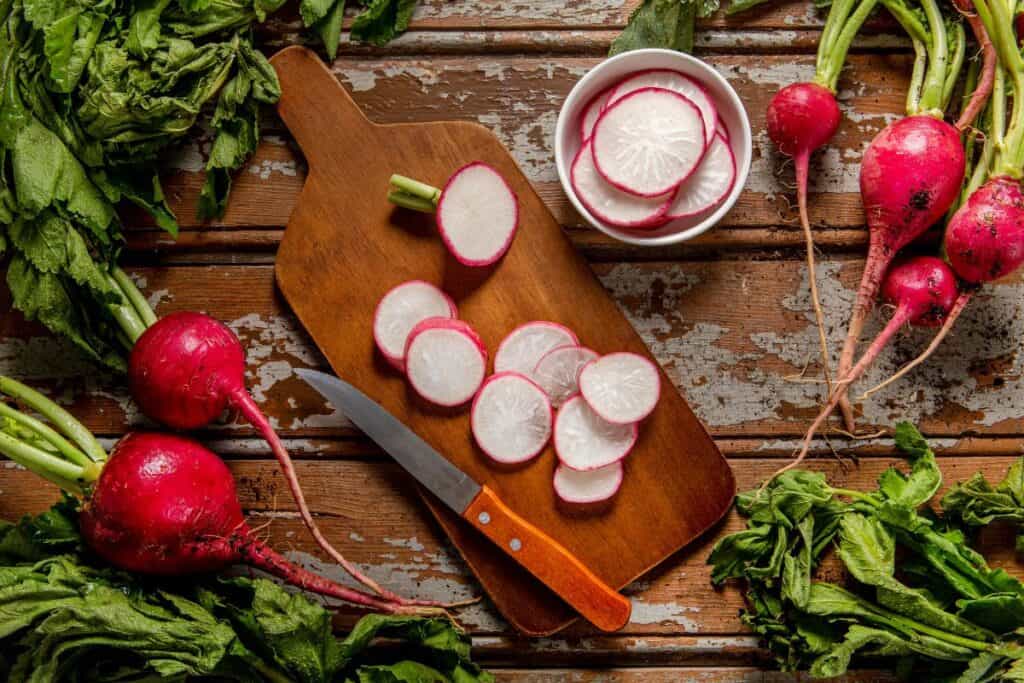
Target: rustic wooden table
x=727, y=316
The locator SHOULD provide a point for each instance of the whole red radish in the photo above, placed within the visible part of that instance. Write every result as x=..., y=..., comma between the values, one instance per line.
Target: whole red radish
x=924, y=291
x=985, y=238
x=185, y=370
x=165, y=505
x=911, y=174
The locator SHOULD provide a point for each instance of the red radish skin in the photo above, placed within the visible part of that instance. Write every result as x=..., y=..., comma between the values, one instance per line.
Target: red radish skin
x=924, y=291
x=985, y=238
x=592, y=112
x=165, y=505
x=911, y=174
x=802, y=118
x=185, y=370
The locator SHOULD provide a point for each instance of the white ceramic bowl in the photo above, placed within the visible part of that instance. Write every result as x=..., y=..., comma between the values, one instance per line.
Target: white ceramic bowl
x=610, y=72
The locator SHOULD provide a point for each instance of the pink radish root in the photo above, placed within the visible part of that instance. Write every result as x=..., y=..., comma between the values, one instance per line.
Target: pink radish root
x=987, y=79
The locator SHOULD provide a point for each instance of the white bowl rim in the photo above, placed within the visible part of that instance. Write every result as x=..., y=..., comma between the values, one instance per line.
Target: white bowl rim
x=562, y=162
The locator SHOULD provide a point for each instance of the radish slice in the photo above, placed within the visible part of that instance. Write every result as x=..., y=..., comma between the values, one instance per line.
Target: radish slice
x=477, y=215
x=523, y=348
x=649, y=142
x=401, y=309
x=709, y=185
x=511, y=418
x=445, y=361
x=622, y=388
x=676, y=82
x=558, y=371
x=592, y=112
x=608, y=203
x=582, y=488
x=584, y=441
x=723, y=130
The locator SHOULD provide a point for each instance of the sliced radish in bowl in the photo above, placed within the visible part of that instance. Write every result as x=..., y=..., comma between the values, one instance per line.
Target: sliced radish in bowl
x=511, y=418
x=592, y=112
x=623, y=388
x=523, y=348
x=649, y=142
x=445, y=361
x=676, y=82
x=584, y=488
x=609, y=203
x=401, y=309
x=709, y=185
x=584, y=441
x=477, y=215
x=558, y=371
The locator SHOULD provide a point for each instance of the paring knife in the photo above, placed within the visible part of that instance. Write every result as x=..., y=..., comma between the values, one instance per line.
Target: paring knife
x=537, y=552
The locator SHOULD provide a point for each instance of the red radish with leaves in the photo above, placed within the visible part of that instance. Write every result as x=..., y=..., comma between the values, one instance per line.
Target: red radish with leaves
x=477, y=212
x=923, y=290
x=160, y=504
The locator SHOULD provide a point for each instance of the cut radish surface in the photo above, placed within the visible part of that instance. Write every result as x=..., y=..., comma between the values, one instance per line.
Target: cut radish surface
x=511, y=418
x=709, y=185
x=622, y=388
x=401, y=309
x=558, y=371
x=477, y=215
x=609, y=203
x=445, y=361
x=676, y=82
x=584, y=441
x=594, y=486
x=523, y=348
x=649, y=141
x=592, y=112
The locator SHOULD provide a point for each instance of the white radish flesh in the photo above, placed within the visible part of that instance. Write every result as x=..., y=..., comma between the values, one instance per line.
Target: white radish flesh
x=584, y=441
x=649, y=142
x=445, y=361
x=709, y=185
x=583, y=488
x=609, y=203
x=477, y=215
x=622, y=388
x=592, y=112
x=401, y=309
x=558, y=371
x=511, y=418
x=676, y=82
x=723, y=130
x=523, y=348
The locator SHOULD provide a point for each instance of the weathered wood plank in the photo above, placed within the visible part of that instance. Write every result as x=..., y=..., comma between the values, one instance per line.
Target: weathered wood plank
x=733, y=335
x=673, y=675
x=518, y=98
x=396, y=543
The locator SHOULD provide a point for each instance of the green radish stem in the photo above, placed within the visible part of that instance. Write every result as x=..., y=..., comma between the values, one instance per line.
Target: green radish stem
x=412, y=194
x=831, y=66
x=61, y=419
x=938, y=61
x=45, y=432
x=135, y=297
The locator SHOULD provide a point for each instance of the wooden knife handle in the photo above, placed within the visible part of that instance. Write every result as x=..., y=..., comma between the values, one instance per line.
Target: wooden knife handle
x=543, y=557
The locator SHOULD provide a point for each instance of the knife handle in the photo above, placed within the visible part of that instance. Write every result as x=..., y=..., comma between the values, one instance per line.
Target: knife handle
x=547, y=560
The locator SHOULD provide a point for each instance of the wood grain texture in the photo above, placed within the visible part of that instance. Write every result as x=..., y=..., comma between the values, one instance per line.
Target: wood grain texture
x=345, y=247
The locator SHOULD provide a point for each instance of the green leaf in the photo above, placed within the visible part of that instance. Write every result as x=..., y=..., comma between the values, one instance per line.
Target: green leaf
x=999, y=612
x=325, y=17
x=867, y=549
x=667, y=24
x=796, y=566
x=733, y=553
x=144, y=28
x=882, y=642
x=382, y=21
x=924, y=479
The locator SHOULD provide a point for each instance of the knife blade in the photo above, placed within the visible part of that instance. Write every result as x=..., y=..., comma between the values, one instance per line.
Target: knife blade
x=537, y=552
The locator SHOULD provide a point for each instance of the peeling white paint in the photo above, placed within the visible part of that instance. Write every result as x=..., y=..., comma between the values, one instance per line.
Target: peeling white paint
x=663, y=613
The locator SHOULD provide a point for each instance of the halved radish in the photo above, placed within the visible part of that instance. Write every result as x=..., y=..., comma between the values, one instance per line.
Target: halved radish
x=622, y=388
x=401, y=309
x=584, y=441
x=477, y=215
x=611, y=204
x=523, y=348
x=583, y=488
x=649, y=142
x=511, y=418
x=592, y=112
x=709, y=185
x=676, y=82
x=445, y=361
x=558, y=371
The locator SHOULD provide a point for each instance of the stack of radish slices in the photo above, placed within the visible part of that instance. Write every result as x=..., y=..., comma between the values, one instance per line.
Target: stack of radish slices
x=653, y=150
x=544, y=383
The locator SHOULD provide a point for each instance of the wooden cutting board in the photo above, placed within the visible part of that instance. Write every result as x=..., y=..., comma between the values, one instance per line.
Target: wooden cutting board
x=345, y=246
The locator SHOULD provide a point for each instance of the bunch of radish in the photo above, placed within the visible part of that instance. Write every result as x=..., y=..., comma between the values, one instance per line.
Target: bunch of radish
x=544, y=385
x=652, y=150
x=477, y=212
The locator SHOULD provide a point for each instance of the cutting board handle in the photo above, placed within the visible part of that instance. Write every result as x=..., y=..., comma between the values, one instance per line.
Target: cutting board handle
x=319, y=112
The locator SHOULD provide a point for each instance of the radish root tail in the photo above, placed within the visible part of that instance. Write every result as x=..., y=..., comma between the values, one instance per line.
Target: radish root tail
x=986, y=82
x=802, y=162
